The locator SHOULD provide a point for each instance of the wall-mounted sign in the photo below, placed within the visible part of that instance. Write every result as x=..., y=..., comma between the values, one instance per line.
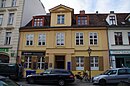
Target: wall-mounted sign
x=4, y=50
x=33, y=53
x=120, y=52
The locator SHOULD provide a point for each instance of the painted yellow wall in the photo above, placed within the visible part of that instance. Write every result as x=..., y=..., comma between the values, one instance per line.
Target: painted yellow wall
x=70, y=49
x=67, y=21
x=51, y=49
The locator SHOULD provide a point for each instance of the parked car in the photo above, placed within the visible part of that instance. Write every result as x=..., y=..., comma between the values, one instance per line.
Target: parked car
x=11, y=70
x=59, y=76
x=4, y=81
x=115, y=75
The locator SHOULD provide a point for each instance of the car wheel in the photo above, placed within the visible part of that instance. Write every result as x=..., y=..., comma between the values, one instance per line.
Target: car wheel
x=102, y=82
x=30, y=80
x=61, y=82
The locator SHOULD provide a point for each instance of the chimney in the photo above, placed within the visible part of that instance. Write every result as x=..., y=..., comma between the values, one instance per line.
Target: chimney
x=96, y=12
x=82, y=11
x=111, y=12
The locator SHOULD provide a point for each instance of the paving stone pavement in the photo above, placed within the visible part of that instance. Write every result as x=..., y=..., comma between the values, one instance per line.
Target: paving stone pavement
x=76, y=83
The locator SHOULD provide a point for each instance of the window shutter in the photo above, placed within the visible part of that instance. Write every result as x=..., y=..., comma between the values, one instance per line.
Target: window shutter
x=73, y=60
x=86, y=62
x=47, y=59
x=101, y=67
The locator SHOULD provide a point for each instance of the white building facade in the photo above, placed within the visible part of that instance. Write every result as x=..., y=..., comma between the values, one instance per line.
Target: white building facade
x=119, y=39
x=13, y=15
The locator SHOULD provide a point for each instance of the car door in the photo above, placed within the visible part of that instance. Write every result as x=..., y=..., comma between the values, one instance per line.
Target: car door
x=52, y=77
x=111, y=77
x=122, y=75
x=41, y=78
x=128, y=74
x=44, y=77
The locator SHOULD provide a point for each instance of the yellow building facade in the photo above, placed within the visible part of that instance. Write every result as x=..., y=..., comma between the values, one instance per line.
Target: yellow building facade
x=62, y=45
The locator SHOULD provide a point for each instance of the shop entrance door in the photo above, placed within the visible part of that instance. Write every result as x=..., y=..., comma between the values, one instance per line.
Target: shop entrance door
x=60, y=62
x=120, y=62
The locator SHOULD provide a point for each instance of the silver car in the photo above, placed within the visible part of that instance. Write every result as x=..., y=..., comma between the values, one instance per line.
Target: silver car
x=112, y=76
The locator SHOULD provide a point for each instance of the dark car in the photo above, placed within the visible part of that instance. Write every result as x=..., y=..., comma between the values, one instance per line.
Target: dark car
x=11, y=70
x=59, y=76
x=7, y=82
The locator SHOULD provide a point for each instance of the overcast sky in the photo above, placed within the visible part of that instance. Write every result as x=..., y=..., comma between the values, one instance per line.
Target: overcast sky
x=91, y=6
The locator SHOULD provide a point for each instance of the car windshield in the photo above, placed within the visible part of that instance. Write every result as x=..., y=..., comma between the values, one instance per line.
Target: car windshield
x=109, y=72
x=47, y=72
x=7, y=82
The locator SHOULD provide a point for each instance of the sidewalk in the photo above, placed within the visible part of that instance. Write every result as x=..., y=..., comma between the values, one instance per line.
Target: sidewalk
x=83, y=83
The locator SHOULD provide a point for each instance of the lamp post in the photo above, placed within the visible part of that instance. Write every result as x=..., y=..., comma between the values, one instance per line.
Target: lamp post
x=89, y=53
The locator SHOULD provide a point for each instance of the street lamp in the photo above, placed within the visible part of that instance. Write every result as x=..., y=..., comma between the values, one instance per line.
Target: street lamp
x=89, y=52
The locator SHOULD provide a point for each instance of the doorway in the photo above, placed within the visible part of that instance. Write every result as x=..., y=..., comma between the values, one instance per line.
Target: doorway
x=119, y=62
x=60, y=62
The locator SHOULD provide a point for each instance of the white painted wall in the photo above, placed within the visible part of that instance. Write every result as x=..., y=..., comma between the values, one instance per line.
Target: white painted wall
x=124, y=38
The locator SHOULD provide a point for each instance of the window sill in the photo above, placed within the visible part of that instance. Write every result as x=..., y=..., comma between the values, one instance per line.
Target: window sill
x=29, y=45
x=41, y=45
x=93, y=45
x=94, y=68
x=60, y=46
x=120, y=45
x=6, y=46
x=79, y=45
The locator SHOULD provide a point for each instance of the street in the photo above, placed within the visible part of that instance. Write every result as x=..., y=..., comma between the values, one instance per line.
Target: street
x=76, y=83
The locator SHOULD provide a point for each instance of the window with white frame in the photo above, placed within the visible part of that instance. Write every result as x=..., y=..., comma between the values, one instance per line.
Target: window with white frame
x=11, y=18
x=94, y=63
x=79, y=38
x=1, y=19
x=42, y=39
x=28, y=61
x=3, y=3
x=93, y=38
x=29, y=39
x=112, y=20
x=79, y=63
x=60, y=38
x=82, y=20
x=14, y=3
x=8, y=38
x=60, y=19
x=118, y=38
x=38, y=21
x=41, y=62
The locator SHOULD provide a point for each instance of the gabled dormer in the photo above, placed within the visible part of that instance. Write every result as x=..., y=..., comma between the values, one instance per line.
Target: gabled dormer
x=38, y=21
x=111, y=18
x=82, y=19
x=61, y=15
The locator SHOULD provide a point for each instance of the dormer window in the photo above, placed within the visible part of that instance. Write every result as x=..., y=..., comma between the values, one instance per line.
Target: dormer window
x=38, y=21
x=60, y=19
x=82, y=20
x=112, y=20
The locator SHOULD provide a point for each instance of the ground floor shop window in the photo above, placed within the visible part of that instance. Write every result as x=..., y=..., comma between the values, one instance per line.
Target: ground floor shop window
x=28, y=62
x=94, y=63
x=41, y=62
x=79, y=63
